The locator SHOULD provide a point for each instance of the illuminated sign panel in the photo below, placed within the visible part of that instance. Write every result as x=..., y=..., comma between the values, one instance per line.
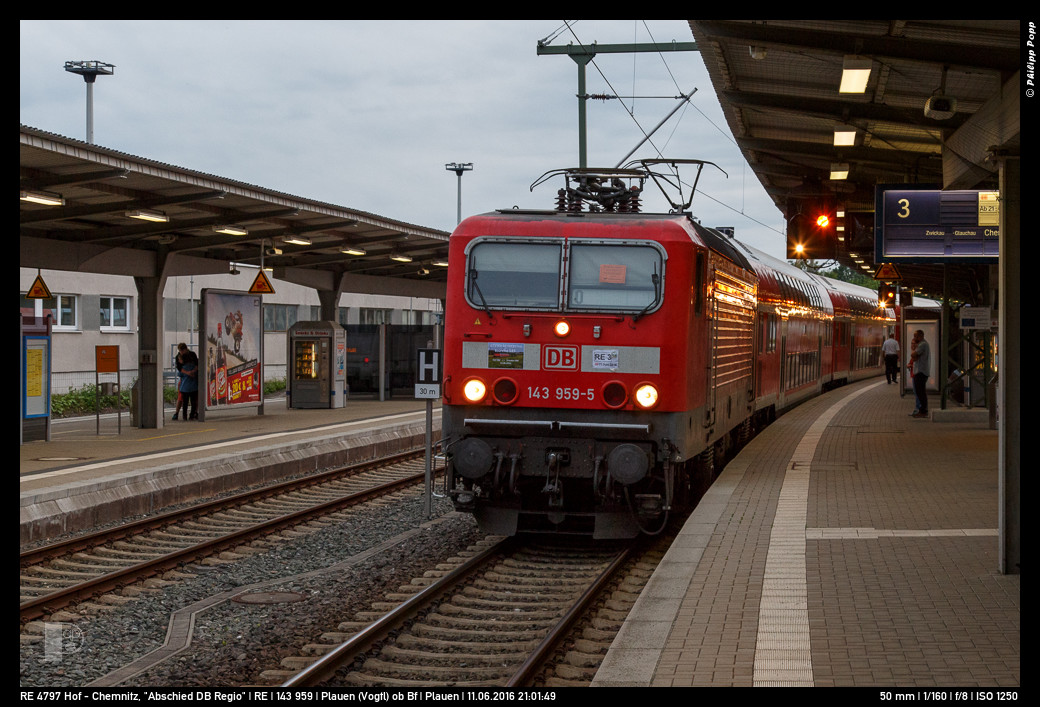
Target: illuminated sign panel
x=935, y=226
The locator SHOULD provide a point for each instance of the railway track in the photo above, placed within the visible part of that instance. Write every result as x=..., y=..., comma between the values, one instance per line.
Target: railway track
x=505, y=614
x=57, y=575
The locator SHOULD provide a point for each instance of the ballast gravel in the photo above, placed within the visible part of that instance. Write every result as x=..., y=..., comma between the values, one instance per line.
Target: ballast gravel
x=233, y=642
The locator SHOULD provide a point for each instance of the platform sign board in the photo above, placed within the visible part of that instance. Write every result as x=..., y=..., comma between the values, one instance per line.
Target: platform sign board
x=231, y=356
x=106, y=359
x=933, y=226
x=976, y=318
x=428, y=387
x=428, y=383
x=36, y=376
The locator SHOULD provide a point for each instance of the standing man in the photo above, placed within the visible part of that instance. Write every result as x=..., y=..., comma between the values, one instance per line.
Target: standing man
x=891, y=351
x=920, y=361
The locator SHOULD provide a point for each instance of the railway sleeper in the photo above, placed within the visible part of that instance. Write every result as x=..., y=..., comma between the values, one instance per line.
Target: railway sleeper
x=408, y=640
x=584, y=659
x=462, y=660
x=422, y=672
x=480, y=635
x=503, y=612
x=359, y=679
x=571, y=676
x=438, y=619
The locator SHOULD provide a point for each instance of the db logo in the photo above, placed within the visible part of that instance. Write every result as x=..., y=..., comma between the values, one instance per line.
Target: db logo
x=560, y=357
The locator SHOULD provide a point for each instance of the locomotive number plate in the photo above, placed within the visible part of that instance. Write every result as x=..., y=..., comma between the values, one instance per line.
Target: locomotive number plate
x=545, y=392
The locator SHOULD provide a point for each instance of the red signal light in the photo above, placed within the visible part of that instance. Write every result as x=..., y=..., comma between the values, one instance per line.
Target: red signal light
x=823, y=220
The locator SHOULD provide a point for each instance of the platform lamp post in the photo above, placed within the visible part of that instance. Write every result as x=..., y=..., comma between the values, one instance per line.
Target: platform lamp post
x=90, y=70
x=458, y=168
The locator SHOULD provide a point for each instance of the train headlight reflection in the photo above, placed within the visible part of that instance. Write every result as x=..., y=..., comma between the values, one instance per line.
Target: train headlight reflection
x=474, y=390
x=646, y=396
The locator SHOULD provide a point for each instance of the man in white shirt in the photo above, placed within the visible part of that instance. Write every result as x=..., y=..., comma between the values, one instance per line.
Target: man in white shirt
x=890, y=349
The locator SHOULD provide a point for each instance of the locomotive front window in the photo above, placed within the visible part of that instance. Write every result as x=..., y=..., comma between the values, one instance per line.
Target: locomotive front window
x=512, y=274
x=615, y=277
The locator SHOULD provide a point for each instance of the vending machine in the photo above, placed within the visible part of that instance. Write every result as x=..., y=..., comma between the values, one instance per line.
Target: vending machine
x=317, y=363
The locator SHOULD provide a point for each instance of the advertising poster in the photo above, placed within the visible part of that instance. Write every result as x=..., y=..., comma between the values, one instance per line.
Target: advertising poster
x=230, y=359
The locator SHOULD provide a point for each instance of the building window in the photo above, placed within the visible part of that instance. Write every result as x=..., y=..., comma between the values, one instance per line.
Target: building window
x=67, y=312
x=375, y=316
x=279, y=317
x=115, y=313
x=63, y=308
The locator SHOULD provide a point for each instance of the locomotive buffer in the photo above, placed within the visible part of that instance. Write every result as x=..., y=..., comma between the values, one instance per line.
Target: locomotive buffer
x=428, y=387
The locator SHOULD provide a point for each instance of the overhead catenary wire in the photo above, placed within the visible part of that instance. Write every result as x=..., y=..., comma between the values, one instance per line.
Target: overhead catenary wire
x=569, y=25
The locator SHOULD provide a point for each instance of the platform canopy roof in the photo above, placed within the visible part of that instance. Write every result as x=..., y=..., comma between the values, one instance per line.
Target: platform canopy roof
x=92, y=231
x=778, y=80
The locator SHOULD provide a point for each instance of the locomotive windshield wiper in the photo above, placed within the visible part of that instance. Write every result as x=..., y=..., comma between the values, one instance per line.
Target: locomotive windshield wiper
x=476, y=288
x=656, y=279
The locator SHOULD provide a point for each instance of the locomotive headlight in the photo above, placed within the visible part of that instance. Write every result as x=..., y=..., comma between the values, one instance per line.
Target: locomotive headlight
x=474, y=390
x=562, y=328
x=646, y=396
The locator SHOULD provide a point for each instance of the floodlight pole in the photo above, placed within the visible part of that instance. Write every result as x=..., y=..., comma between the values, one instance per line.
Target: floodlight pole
x=90, y=70
x=458, y=168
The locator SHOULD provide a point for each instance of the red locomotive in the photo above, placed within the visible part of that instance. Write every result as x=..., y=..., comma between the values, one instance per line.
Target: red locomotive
x=597, y=363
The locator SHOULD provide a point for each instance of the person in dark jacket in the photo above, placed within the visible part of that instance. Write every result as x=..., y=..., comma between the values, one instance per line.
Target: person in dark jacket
x=189, y=381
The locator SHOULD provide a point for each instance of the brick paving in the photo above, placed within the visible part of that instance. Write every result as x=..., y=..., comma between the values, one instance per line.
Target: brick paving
x=889, y=578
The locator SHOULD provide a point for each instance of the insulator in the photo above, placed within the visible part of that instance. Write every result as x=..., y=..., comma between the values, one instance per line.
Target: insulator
x=561, y=200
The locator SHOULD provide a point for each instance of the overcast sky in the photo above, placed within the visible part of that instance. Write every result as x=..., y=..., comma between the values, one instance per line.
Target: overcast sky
x=366, y=113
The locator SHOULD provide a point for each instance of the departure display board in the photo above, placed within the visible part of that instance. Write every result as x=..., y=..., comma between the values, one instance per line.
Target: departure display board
x=922, y=225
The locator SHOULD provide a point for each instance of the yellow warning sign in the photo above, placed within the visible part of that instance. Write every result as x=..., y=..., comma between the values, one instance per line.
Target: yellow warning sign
x=38, y=290
x=261, y=285
x=888, y=272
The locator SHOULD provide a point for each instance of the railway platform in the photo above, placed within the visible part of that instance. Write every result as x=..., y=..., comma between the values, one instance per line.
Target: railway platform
x=92, y=472
x=848, y=545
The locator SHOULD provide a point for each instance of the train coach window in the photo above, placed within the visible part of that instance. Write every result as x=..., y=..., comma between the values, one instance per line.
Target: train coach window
x=505, y=274
x=615, y=277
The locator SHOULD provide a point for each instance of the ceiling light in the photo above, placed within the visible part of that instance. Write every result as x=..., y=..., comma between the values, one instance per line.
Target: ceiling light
x=401, y=258
x=42, y=197
x=844, y=137
x=148, y=215
x=352, y=250
x=231, y=230
x=440, y=263
x=855, y=72
x=839, y=170
x=297, y=240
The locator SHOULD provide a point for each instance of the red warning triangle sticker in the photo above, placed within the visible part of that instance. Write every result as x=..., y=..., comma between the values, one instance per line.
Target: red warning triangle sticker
x=887, y=271
x=38, y=290
x=261, y=285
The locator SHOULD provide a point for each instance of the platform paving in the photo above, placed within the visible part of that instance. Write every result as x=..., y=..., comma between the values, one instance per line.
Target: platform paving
x=847, y=545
